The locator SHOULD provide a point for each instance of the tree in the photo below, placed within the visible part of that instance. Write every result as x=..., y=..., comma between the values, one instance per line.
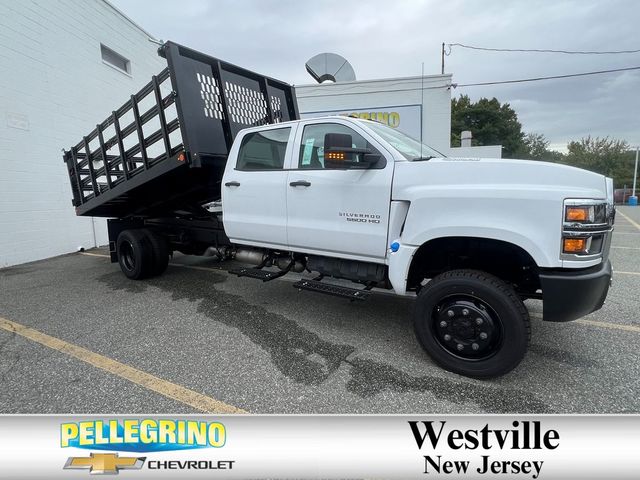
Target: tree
x=536, y=147
x=490, y=122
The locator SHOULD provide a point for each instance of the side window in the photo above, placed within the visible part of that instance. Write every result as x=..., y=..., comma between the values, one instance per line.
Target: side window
x=312, y=148
x=263, y=150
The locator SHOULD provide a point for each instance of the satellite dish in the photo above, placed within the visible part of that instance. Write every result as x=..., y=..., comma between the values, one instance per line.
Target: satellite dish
x=330, y=66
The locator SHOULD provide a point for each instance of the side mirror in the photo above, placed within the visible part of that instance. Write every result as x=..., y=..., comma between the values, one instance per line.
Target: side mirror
x=339, y=153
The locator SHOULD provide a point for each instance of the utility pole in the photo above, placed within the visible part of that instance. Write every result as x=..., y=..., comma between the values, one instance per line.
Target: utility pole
x=635, y=173
x=442, y=58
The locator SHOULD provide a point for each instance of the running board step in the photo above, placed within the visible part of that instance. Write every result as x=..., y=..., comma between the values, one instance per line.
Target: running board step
x=263, y=275
x=320, y=287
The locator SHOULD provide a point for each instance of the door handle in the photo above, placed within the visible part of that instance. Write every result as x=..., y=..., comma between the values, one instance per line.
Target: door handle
x=300, y=183
x=232, y=184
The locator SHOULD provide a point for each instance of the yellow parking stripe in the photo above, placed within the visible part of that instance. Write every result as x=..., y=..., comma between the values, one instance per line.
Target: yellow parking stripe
x=615, y=326
x=196, y=267
x=168, y=389
x=192, y=267
x=595, y=323
x=632, y=222
x=218, y=269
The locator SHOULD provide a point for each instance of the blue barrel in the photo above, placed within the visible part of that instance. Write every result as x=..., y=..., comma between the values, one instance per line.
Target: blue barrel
x=633, y=200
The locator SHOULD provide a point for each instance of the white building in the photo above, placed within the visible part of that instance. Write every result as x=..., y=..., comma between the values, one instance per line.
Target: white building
x=418, y=106
x=65, y=66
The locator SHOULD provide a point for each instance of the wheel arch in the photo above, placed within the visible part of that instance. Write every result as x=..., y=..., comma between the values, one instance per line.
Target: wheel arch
x=506, y=260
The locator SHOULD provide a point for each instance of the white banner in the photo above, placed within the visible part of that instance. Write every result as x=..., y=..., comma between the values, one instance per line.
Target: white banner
x=416, y=446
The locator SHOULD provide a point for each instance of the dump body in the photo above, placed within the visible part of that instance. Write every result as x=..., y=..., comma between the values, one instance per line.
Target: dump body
x=165, y=149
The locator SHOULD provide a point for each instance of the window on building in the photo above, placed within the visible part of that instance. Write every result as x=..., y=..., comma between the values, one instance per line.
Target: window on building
x=115, y=59
x=263, y=150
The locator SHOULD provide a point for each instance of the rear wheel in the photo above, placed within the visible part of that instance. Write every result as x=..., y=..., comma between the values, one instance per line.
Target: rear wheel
x=159, y=251
x=134, y=254
x=472, y=323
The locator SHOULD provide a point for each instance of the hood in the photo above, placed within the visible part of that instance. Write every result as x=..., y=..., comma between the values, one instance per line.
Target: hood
x=511, y=177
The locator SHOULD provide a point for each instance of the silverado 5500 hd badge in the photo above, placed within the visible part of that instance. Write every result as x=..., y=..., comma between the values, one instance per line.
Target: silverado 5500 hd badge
x=360, y=217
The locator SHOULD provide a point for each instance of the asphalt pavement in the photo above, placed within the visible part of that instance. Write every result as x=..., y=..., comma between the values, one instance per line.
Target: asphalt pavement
x=79, y=337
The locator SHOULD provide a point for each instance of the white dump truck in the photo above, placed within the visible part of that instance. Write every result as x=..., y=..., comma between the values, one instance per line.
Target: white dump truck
x=230, y=170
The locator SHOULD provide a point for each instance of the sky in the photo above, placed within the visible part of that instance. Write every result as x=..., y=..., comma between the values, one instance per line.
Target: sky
x=383, y=39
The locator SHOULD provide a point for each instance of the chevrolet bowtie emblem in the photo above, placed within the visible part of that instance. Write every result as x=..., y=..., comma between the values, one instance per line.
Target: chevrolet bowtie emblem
x=105, y=463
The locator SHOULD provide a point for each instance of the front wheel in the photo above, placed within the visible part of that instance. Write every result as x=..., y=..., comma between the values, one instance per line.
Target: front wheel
x=472, y=323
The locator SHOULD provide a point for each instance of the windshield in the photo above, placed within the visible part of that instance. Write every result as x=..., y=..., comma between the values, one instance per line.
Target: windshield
x=409, y=148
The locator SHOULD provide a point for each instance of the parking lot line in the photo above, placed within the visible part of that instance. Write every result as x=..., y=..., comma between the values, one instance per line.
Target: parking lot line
x=218, y=269
x=626, y=248
x=193, y=267
x=168, y=389
x=630, y=220
x=596, y=323
x=615, y=326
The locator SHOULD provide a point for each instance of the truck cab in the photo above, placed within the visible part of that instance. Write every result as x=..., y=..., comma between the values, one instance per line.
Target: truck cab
x=285, y=191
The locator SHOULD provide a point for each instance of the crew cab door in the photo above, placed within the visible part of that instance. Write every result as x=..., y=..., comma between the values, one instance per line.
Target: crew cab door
x=254, y=188
x=338, y=210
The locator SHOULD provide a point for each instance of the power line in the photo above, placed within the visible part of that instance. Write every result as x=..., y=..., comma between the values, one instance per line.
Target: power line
x=461, y=85
x=553, y=77
x=540, y=50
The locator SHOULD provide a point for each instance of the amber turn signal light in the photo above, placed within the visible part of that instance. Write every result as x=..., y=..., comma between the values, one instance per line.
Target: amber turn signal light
x=575, y=245
x=335, y=155
x=577, y=214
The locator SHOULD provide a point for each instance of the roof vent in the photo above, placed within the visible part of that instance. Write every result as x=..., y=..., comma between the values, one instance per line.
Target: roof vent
x=330, y=67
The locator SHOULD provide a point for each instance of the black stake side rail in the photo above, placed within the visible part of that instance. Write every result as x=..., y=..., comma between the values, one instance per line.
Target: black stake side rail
x=213, y=100
x=80, y=159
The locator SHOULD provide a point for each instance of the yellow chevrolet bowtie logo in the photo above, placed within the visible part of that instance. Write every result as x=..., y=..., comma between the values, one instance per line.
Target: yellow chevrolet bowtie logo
x=105, y=463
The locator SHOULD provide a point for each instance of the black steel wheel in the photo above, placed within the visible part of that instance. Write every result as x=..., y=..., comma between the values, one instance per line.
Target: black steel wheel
x=134, y=254
x=472, y=323
x=159, y=251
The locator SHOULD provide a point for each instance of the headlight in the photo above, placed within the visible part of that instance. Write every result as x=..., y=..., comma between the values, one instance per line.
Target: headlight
x=579, y=214
x=585, y=228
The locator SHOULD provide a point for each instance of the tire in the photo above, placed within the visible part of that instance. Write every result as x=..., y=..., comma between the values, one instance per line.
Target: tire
x=135, y=255
x=159, y=251
x=472, y=323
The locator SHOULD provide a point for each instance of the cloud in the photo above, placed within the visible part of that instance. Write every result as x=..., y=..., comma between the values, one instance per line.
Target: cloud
x=385, y=39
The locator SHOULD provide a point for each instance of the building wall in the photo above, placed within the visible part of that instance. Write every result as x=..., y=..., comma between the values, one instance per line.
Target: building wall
x=482, y=151
x=54, y=88
x=428, y=99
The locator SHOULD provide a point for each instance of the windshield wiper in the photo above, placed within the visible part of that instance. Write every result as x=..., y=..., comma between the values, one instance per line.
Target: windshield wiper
x=422, y=159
